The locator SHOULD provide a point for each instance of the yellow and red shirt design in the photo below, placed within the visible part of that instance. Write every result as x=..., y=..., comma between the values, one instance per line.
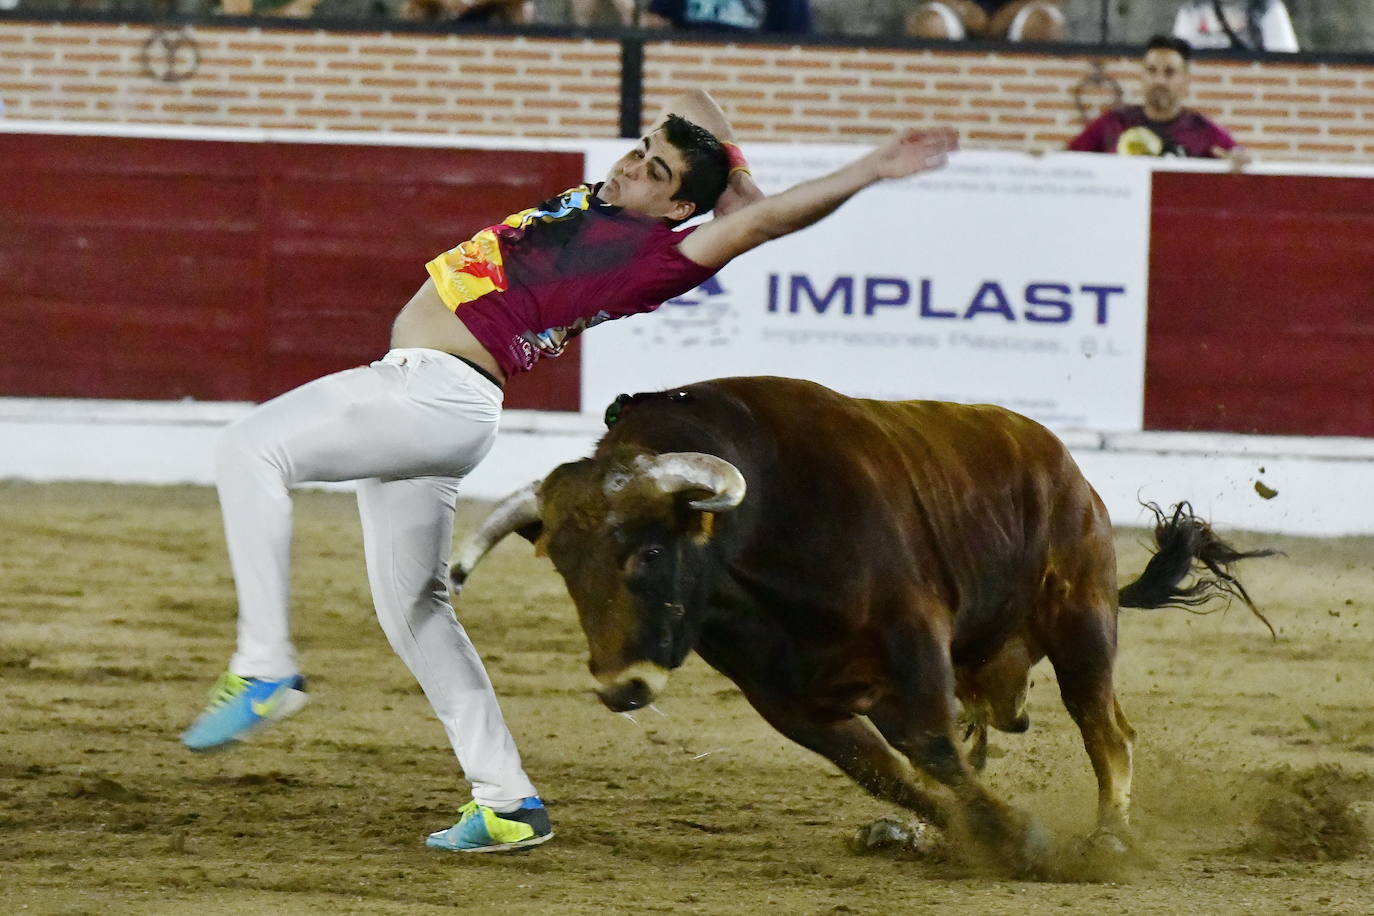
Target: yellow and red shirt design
x=476, y=267
x=527, y=285
x=472, y=269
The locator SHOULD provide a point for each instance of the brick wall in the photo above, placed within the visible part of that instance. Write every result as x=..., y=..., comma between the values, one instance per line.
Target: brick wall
x=311, y=79
x=529, y=86
x=1008, y=101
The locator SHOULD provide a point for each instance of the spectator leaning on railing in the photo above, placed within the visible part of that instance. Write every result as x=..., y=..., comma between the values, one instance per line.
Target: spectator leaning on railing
x=1013, y=20
x=1162, y=126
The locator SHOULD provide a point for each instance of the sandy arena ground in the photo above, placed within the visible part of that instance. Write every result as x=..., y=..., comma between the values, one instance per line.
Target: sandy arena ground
x=1254, y=786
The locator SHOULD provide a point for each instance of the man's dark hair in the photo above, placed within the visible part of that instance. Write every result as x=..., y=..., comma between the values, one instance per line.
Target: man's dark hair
x=708, y=167
x=1170, y=43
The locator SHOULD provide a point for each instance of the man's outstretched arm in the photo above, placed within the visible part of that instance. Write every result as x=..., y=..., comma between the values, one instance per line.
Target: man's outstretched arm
x=907, y=152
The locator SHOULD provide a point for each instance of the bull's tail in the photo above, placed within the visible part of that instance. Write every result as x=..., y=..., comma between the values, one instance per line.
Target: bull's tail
x=1184, y=542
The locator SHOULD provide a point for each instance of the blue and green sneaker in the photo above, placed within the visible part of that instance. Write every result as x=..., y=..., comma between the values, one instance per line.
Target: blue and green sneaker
x=240, y=705
x=480, y=829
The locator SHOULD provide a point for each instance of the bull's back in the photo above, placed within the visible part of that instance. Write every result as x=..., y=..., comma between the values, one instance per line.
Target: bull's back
x=977, y=498
x=930, y=444
x=865, y=494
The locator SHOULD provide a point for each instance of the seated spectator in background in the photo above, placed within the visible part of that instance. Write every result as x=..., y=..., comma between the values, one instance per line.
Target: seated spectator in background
x=1162, y=126
x=504, y=11
x=1013, y=20
x=1262, y=25
x=792, y=16
x=584, y=11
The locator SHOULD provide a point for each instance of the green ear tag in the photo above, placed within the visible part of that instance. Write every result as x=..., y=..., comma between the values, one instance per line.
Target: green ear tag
x=614, y=409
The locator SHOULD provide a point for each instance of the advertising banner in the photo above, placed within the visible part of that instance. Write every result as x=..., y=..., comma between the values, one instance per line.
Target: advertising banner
x=1002, y=278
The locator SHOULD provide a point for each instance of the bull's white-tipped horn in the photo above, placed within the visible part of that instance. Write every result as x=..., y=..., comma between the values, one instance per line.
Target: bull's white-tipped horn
x=674, y=472
x=517, y=510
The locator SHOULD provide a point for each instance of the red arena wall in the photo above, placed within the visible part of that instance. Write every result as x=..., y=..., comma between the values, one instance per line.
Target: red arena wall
x=234, y=271
x=1259, y=315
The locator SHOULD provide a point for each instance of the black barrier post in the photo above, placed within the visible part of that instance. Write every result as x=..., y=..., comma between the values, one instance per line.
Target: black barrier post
x=631, y=85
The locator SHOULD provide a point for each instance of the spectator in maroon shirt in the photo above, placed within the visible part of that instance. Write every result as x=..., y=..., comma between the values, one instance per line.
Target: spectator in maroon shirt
x=1162, y=126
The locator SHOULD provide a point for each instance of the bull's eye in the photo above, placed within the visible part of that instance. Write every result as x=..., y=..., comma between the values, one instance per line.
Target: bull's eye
x=644, y=566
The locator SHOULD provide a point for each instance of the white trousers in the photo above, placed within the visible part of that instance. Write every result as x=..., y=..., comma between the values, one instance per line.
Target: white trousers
x=408, y=428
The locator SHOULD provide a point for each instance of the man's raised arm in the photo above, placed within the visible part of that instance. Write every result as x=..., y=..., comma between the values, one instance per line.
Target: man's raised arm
x=907, y=152
x=697, y=106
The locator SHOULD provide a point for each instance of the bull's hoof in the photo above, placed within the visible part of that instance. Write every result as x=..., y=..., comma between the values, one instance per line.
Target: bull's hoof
x=892, y=835
x=1031, y=856
x=1103, y=855
x=1105, y=841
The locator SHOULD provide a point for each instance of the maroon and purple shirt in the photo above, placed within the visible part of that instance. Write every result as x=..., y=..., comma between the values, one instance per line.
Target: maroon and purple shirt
x=1127, y=130
x=528, y=285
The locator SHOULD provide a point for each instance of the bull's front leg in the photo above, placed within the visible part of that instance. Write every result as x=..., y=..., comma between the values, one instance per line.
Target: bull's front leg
x=853, y=745
x=919, y=718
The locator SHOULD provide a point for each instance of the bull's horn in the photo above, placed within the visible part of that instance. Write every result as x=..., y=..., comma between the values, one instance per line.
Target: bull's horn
x=674, y=472
x=511, y=514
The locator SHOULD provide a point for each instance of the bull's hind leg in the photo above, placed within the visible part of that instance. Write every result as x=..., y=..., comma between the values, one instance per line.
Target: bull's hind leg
x=1082, y=648
x=994, y=693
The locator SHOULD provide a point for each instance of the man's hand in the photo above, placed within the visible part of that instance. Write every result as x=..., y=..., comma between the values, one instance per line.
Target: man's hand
x=914, y=150
x=728, y=236
x=1238, y=156
x=739, y=192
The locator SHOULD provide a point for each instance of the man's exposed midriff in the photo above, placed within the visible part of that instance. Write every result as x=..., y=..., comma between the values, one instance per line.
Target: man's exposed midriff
x=427, y=322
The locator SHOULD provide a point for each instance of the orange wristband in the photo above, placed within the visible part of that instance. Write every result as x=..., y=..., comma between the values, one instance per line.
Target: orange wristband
x=736, y=158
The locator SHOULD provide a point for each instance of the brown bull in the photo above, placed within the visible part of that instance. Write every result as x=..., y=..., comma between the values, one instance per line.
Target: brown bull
x=860, y=569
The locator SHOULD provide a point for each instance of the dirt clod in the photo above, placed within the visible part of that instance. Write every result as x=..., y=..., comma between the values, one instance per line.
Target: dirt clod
x=1309, y=816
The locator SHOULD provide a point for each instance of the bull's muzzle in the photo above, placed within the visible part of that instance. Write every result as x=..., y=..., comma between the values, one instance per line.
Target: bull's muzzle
x=632, y=688
x=633, y=694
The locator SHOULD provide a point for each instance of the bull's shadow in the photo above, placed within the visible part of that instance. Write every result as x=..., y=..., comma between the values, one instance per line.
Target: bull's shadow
x=873, y=575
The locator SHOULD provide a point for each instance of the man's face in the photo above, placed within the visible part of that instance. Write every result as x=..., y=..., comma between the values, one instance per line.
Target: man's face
x=645, y=179
x=1165, y=73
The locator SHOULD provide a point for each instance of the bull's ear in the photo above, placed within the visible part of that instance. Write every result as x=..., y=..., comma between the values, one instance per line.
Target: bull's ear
x=532, y=533
x=540, y=540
